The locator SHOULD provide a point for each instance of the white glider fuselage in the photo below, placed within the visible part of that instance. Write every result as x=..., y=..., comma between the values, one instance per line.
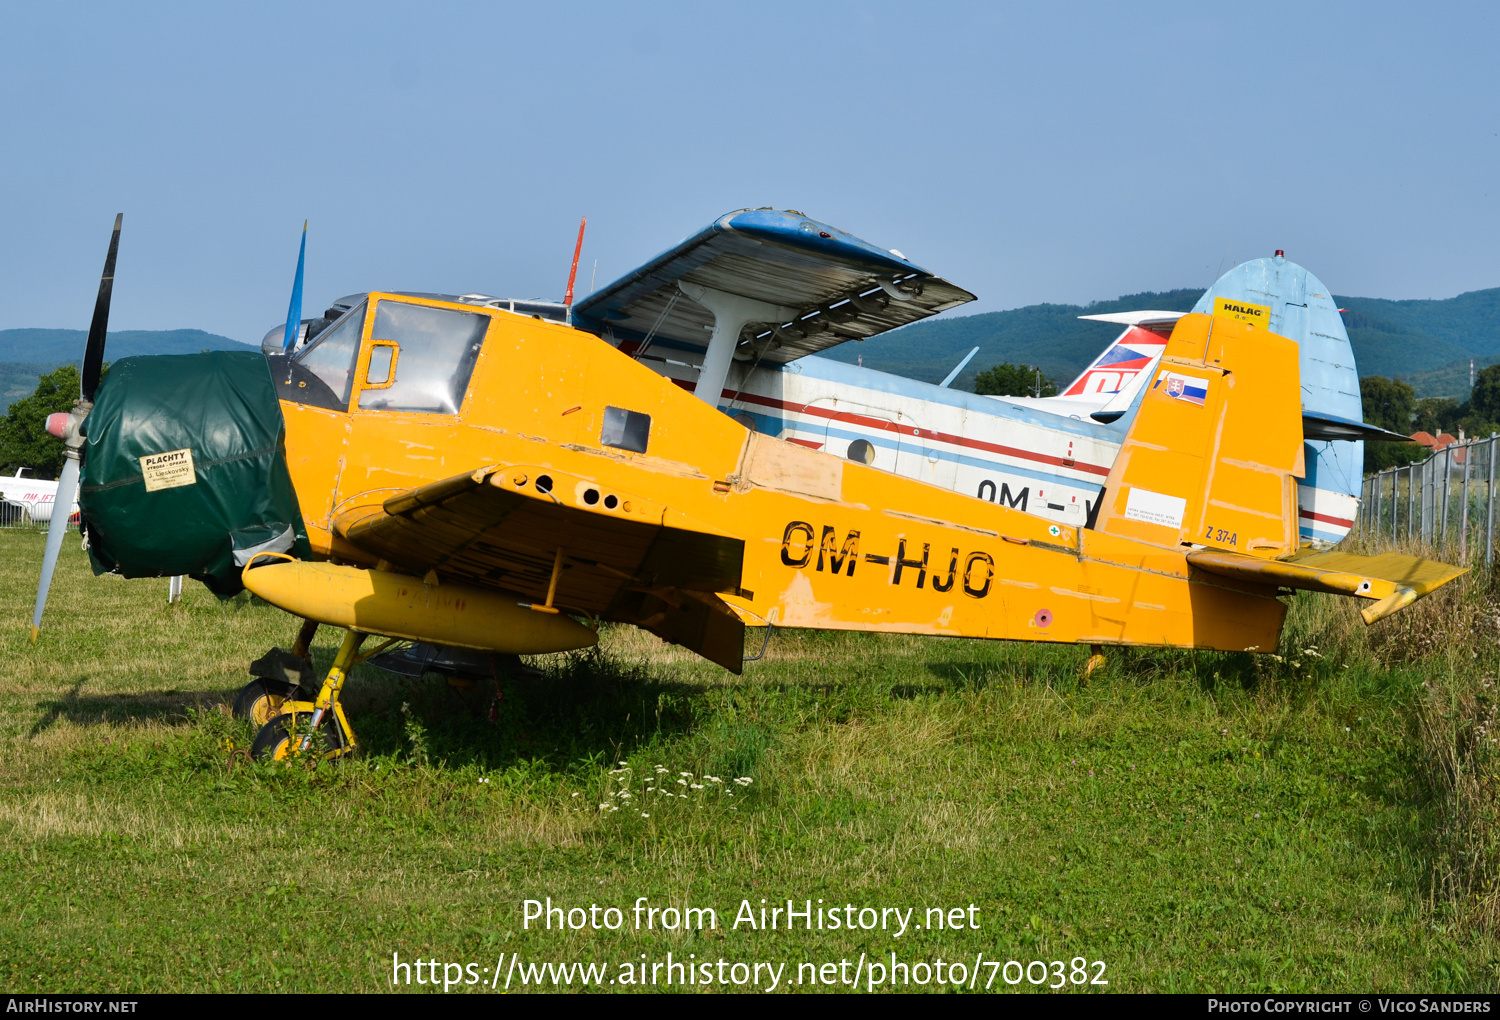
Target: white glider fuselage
x=33, y=495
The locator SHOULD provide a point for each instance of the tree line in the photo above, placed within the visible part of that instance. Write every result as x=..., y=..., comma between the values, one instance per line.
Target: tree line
x=24, y=441
x=1393, y=404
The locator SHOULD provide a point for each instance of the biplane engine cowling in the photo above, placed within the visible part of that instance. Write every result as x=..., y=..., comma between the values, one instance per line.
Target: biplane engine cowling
x=184, y=469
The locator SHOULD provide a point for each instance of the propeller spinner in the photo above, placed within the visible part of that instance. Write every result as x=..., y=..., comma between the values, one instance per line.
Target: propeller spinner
x=67, y=427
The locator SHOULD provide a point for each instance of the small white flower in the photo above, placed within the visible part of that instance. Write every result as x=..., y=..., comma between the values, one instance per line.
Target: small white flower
x=575, y=794
x=645, y=815
x=625, y=764
x=697, y=786
x=682, y=782
x=688, y=774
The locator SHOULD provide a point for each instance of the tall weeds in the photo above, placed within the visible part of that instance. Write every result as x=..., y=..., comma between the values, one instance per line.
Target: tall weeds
x=1451, y=640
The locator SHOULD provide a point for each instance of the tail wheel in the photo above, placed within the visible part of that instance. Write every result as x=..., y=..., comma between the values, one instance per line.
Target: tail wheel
x=277, y=741
x=261, y=699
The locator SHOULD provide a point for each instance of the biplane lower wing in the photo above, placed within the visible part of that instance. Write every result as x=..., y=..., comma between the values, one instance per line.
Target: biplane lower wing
x=630, y=559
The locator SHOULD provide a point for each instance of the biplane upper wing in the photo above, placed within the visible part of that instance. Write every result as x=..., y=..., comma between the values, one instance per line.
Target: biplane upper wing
x=815, y=286
x=634, y=560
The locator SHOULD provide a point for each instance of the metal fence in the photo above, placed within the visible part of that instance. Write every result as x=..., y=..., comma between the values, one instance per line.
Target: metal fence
x=22, y=515
x=14, y=515
x=1446, y=502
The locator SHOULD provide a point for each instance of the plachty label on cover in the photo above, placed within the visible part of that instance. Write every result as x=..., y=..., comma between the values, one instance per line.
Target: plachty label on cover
x=168, y=470
x=1155, y=508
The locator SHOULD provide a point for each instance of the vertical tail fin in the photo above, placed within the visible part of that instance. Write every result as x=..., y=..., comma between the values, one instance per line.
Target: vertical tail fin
x=1294, y=303
x=1215, y=450
x=1112, y=371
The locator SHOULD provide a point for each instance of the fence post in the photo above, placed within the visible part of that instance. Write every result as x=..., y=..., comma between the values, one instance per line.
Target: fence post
x=1490, y=515
x=1411, y=496
x=1447, y=484
x=1395, y=501
x=1463, y=538
x=1378, y=483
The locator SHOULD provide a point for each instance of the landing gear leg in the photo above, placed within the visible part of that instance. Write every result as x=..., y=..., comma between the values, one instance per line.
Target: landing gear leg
x=304, y=639
x=276, y=738
x=328, y=697
x=1096, y=660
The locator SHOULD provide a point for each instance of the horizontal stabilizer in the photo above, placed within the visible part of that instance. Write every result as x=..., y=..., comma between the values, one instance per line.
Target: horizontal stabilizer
x=1391, y=580
x=819, y=286
x=1150, y=320
x=1328, y=427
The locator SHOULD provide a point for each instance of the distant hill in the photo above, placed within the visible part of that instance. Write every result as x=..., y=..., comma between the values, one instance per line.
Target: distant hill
x=1427, y=342
x=28, y=353
x=1050, y=337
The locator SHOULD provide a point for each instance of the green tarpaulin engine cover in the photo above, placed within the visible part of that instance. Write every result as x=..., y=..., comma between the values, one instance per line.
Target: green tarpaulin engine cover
x=184, y=471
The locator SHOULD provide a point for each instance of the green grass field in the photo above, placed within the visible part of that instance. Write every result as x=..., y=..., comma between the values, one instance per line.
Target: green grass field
x=1198, y=822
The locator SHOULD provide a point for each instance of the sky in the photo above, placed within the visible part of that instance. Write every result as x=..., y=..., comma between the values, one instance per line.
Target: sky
x=1062, y=152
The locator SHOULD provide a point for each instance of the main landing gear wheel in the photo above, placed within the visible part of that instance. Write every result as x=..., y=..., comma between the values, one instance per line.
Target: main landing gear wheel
x=261, y=699
x=276, y=740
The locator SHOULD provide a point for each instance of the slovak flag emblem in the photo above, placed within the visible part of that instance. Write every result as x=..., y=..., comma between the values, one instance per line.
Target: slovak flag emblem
x=1184, y=387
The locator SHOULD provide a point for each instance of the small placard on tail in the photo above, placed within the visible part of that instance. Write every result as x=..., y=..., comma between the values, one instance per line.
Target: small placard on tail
x=1155, y=507
x=1243, y=311
x=168, y=470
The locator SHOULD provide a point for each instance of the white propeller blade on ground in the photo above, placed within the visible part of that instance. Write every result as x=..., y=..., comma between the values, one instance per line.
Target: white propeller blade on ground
x=67, y=488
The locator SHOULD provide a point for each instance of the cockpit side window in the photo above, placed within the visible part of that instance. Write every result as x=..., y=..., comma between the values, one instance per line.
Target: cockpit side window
x=434, y=354
x=331, y=357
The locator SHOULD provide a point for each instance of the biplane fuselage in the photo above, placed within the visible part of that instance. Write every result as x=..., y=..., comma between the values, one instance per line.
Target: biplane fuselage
x=522, y=475
x=460, y=475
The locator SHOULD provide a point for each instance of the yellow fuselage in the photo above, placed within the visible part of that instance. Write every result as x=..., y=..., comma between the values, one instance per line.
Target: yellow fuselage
x=833, y=544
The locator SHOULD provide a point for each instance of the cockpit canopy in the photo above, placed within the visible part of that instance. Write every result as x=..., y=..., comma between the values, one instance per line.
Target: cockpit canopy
x=388, y=352
x=310, y=329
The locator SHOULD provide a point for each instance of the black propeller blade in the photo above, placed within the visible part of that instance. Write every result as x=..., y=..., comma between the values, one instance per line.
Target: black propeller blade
x=67, y=484
x=93, y=354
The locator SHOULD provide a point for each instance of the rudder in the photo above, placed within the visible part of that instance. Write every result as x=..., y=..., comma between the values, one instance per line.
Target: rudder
x=1214, y=453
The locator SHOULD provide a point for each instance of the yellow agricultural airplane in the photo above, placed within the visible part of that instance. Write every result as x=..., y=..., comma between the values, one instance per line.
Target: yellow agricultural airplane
x=466, y=476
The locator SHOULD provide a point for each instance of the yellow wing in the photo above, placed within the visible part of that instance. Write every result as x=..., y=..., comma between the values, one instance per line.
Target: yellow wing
x=625, y=558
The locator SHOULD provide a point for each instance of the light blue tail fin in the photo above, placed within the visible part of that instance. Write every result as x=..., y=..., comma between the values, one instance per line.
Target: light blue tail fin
x=1300, y=308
